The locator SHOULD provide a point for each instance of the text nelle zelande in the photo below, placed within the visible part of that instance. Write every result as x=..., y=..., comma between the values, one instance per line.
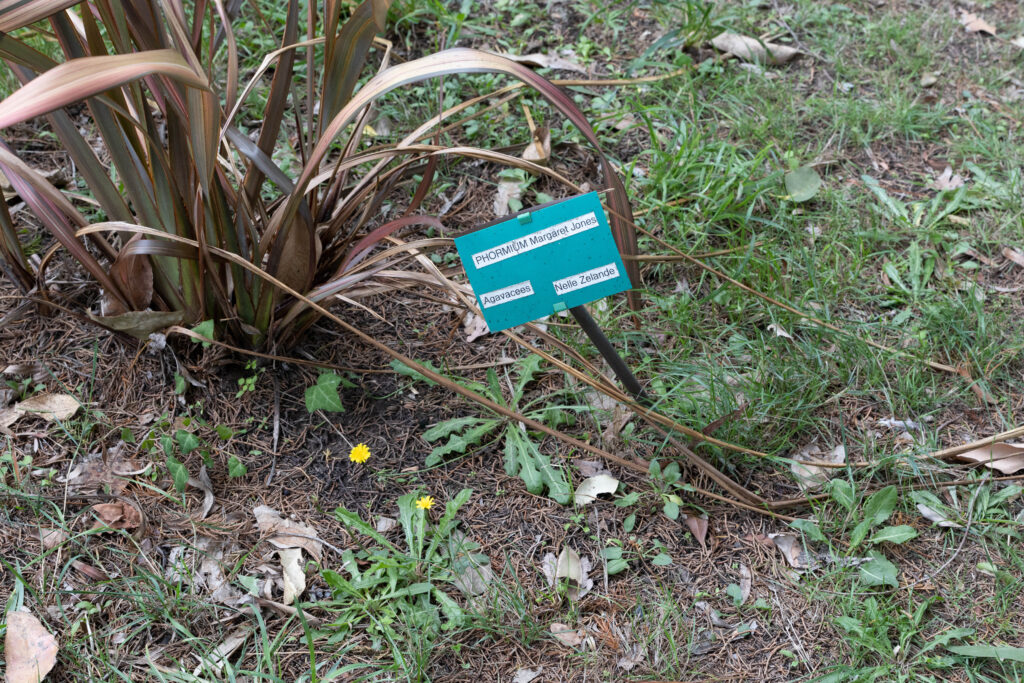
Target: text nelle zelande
x=534, y=240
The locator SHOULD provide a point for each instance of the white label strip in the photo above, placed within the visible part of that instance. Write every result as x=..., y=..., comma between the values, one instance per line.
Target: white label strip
x=591, y=277
x=506, y=294
x=541, y=238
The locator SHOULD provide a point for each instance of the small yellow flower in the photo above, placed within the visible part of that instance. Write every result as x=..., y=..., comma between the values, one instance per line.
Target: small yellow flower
x=425, y=502
x=360, y=454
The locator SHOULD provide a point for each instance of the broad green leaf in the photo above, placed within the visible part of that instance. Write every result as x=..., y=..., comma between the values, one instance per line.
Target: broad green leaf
x=324, y=394
x=842, y=492
x=523, y=459
x=205, y=329
x=178, y=472
x=187, y=441
x=802, y=184
x=671, y=510
x=628, y=499
x=878, y=572
x=629, y=523
x=895, y=534
x=616, y=566
x=458, y=443
x=236, y=468
x=859, y=533
x=809, y=528
x=443, y=429
x=896, y=210
x=662, y=560
x=403, y=369
x=880, y=505
x=1000, y=652
x=528, y=368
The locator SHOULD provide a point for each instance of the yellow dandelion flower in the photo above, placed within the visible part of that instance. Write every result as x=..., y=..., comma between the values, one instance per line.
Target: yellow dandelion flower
x=360, y=454
x=425, y=502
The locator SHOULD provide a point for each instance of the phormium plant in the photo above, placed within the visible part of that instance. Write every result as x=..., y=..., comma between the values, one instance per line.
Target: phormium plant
x=198, y=221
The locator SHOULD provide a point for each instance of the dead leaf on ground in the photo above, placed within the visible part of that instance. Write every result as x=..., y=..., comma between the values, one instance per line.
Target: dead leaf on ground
x=96, y=474
x=292, y=574
x=509, y=192
x=386, y=524
x=29, y=649
x=778, y=331
x=474, y=326
x=1014, y=256
x=972, y=23
x=538, y=150
x=139, y=324
x=713, y=614
x=929, y=78
x=90, y=572
x=1018, y=42
x=50, y=406
x=753, y=50
x=203, y=483
x=527, y=675
x=119, y=515
x=547, y=61
x=590, y=468
x=211, y=575
x=286, y=533
x=947, y=180
x=568, y=565
x=567, y=635
x=933, y=515
x=809, y=476
x=472, y=570
x=592, y=487
x=793, y=550
x=979, y=391
x=698, y=526
x=746, y=580
x=51, y=538
x=1007, y=458
x=217, y=660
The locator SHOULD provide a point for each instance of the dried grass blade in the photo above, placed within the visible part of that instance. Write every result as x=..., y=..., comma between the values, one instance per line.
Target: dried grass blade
x=81, y=78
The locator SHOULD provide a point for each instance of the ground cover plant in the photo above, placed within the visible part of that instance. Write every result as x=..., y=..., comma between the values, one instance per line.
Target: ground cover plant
x=831, y=244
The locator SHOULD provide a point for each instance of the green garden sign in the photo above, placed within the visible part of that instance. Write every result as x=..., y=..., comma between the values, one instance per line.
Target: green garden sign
x=552, y=258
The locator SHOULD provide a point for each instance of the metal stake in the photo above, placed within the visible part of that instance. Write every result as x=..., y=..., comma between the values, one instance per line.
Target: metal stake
x=618, y=365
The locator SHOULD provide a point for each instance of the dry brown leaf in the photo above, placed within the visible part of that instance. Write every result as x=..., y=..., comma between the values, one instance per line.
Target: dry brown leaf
x=119, y=515
x=286, y=533
x=549, y=61
x=291, y=571
x=539, y=148
x=947, y=181
x=94, y=474
x=1007, y=458
x=810, y=476
x=90, y=572
x=576, y=569
x=51, y=538
x=592, y=487
x=50, y=406
x=567, y=635
x=1014, y=256
x=1018, y=42
x=979, y=391
x=746, y=580
x=779, y=331
x=698, y=526
x=972, y=23
x=29, y=649
x=752, y=50
x=933, y=515
x=526, y=675
x=793, y=550
x=508, y=191
x=203, y=483
x=134, y=275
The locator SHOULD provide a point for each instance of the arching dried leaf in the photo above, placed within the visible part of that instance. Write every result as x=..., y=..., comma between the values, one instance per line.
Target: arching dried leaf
x=753, y=50
x=1007, y=458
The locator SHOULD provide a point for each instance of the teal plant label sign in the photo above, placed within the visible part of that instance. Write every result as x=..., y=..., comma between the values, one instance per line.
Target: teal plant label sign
x=544, y=260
